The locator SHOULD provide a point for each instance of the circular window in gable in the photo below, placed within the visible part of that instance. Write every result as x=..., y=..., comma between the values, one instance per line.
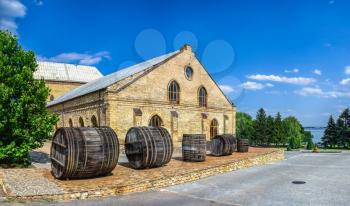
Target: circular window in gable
x=188, y=73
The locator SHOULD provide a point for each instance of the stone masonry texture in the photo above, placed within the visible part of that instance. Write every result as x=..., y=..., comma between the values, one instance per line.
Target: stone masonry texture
x=147, y=91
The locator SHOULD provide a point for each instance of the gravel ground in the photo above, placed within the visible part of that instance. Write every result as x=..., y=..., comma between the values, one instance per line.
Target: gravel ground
x=29, y=182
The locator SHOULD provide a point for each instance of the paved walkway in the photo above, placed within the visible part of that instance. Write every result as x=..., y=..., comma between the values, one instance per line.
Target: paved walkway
x=327, y=178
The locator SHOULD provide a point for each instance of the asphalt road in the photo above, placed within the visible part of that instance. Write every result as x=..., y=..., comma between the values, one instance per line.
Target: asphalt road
x=327, y=178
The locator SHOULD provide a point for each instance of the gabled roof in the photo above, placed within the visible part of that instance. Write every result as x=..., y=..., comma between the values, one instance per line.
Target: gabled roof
x=66, y=72
x=110, y=79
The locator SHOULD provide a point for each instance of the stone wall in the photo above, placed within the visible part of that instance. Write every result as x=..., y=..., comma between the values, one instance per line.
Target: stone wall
x=60, y=88
x=147, y=92
x=85, y=107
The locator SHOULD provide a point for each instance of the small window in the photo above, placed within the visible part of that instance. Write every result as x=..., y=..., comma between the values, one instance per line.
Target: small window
x=70, y=122
x=188, y=73
x=202, y=97
x=52, y=98
x=81, y=122
x=174, y=92
x=94, y=121
x=155, y=121
x=214, y=128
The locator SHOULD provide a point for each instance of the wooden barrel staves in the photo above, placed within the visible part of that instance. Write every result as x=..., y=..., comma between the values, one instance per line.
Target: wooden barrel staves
x=147, y=147
x=243, y=145
x=194, y=147
x=83, y=152
x=223, y=145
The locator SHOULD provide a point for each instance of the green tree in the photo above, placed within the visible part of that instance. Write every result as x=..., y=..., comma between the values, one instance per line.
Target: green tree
x=293, y=131
x=343, y=127
x=310, y=145
x=270, y=127
x=330, y=134
x=260, y=127
x=244, y=126
x=307, y=136
x=340, y=138
x=24, y=120
x=278, y=134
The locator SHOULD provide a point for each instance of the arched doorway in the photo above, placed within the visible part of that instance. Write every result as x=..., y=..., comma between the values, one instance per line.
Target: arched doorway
x=94, y=121
x=70, y=122
x=155, y=121
x=81, y=122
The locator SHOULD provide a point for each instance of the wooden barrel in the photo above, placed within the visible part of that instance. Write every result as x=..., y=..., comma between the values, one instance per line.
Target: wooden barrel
x=147, y=147
x=83, y=152
x=243, y=145
x=194, y=147
x=223, y=145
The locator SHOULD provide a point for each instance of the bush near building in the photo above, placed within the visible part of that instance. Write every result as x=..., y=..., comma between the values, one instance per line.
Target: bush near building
x=24, y=120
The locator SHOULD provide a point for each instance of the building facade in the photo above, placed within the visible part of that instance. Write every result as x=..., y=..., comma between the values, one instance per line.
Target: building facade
x=62, y=78
x=173, y=91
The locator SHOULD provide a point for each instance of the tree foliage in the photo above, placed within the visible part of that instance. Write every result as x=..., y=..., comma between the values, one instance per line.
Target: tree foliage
x=260, y=128
x=245, y=126
x=293, y=132
x=24, y=120
x=337, y=133
x=272, y=131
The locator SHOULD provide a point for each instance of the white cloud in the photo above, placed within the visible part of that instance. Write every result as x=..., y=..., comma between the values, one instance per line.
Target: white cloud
x=347, y=70
x=317, y=71
x=292, y=71
x=345, y=81
x=306, y=91
x=312, y=91
x=227, y=89
x=80, y=58
x=255, y=86
x=289, y=80
x=10, y=10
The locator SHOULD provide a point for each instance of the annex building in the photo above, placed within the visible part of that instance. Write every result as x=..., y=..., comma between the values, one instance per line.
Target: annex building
x=173, y=91
x=62, y=78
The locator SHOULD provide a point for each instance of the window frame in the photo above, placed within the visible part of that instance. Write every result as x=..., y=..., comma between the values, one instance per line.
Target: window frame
x=154, y=119
x=192, y=72
x=200, y=97
x=214, y=128
x=173, y=96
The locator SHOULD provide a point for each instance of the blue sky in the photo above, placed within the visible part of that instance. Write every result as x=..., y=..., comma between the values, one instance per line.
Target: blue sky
x=287, y=56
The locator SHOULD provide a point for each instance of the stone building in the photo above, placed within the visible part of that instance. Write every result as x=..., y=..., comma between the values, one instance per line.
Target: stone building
x=62, y=78
x=173, y=91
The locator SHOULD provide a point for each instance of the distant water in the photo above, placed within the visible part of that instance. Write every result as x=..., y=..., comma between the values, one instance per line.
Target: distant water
x=317, y=132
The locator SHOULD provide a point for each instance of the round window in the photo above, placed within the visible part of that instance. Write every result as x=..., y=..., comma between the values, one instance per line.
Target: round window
x=189, y=73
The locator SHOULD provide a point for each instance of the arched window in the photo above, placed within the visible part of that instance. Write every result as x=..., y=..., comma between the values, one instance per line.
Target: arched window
x=52, y=97
x=94, y=121
x=155, y=121
x=70, y=122
x=202, y=97
x=81, y=122
x=174, y=92
x=214, y=128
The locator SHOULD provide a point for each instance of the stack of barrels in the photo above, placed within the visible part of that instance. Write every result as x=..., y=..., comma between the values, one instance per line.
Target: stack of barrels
x=83, y=152
x=222, y=145
x=243, y=145
x=194, y=147
x=147, y=147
